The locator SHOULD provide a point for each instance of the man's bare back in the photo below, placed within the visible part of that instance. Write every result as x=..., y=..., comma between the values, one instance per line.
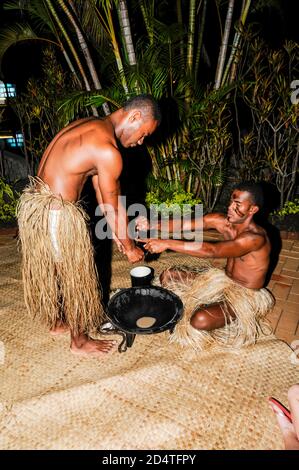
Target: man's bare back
x=73, y=155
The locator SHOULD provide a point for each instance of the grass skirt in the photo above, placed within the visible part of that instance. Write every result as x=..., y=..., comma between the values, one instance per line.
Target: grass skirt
x=63, y=287
x=212, y=286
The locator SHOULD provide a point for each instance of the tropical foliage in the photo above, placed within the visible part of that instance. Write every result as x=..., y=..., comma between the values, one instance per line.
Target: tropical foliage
x=118, y=48
x=166, y=199
x=269, y=146
x=8, y=201
x=37, y=109
x=289, y=208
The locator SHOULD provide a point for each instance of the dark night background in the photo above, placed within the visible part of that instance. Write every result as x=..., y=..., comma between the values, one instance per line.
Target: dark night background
x=23, y=60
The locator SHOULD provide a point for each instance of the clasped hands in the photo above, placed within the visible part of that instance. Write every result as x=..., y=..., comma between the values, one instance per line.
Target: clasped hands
x=152, y=245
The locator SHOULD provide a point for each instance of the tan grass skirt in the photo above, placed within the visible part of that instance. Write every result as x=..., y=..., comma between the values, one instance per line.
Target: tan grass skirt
x=212, y=286
x=59, y=273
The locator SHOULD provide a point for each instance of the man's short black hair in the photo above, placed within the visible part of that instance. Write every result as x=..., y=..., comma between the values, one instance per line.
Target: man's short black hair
x=146, y=103
x=254, y=189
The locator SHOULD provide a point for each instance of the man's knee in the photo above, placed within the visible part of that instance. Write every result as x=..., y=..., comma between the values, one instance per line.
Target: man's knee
x=200, y=320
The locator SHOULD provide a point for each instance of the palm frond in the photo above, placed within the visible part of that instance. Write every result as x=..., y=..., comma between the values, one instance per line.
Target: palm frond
x=11, y=35
x=159, y=82
x=76, y=103
x=36, y=10
x=16, y=5
x=91, y=24
x=98, y=100
x=260, y=5
x=164, y=33
x=140, y=77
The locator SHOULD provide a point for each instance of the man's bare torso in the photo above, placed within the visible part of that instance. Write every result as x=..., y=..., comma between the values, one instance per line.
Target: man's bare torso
x=72, y=156
x=249, y=270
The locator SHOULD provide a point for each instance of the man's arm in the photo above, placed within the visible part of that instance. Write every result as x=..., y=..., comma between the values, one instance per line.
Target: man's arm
x=207, y=222
x=107, y=188
x=243, y=245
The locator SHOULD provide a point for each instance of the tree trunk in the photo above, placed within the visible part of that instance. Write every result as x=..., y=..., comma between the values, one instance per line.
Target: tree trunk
x=109, y=27
x=237, y=50
x=71, y=67
x=126, y=31
x=231, y=67
x=200, y=37
x=85, y=50
x=223, y=48
x=191, y=32
x=180, y=21
x=69, y=42
x=127, y=36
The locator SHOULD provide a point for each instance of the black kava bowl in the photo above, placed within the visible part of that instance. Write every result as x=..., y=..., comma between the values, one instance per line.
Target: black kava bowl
x=129, y=306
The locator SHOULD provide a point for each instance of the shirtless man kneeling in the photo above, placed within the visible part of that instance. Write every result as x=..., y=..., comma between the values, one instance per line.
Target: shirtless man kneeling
x=214, y=298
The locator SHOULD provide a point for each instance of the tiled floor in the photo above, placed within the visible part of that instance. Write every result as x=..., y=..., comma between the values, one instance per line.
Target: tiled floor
x=284, y=284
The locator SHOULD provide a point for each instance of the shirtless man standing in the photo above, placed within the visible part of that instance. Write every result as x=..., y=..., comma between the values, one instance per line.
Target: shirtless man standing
x=247, y=249
x=60, y=279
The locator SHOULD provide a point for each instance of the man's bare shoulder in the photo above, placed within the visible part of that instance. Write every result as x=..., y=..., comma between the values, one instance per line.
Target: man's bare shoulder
x=256, y=230
x=256, y=238
x=106, y=157
x=216, y=221
x=102, y=142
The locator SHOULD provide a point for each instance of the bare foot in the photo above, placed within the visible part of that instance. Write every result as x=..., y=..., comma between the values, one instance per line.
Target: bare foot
x=59, y=329
x=85, y=346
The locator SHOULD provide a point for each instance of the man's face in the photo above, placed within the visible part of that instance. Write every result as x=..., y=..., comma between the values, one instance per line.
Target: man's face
x=240, y=207
x=135, y=131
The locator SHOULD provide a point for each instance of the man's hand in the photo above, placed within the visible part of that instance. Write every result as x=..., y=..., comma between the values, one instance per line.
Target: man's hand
x=154, y=245
x=290, y=431
x=142, y=224
x=134, y=255
x=287, y=429
x=120, y=246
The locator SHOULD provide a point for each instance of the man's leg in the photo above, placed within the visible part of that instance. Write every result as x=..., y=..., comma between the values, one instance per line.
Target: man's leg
x=59, y=329
x=211, y=317
x=205, y=318
x=80, y=343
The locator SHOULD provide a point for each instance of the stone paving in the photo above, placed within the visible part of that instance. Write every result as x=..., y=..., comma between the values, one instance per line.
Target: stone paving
x=284, y=284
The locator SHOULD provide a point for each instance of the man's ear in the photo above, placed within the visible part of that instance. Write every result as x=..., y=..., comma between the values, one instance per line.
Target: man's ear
x=135, y=115
x=254, y=209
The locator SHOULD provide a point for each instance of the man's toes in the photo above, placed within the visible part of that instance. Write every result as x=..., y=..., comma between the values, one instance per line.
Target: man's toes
x=109, y=346
x=106, y=344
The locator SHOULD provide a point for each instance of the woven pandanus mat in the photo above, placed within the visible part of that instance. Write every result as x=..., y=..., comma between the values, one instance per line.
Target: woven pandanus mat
x=155, y=396
x=121, y=268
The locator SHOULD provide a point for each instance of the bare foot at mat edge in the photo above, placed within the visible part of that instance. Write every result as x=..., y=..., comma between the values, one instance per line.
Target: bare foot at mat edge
x=84, y=346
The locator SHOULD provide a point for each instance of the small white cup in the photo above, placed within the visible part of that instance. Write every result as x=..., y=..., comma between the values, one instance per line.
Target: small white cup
x=141, y=276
